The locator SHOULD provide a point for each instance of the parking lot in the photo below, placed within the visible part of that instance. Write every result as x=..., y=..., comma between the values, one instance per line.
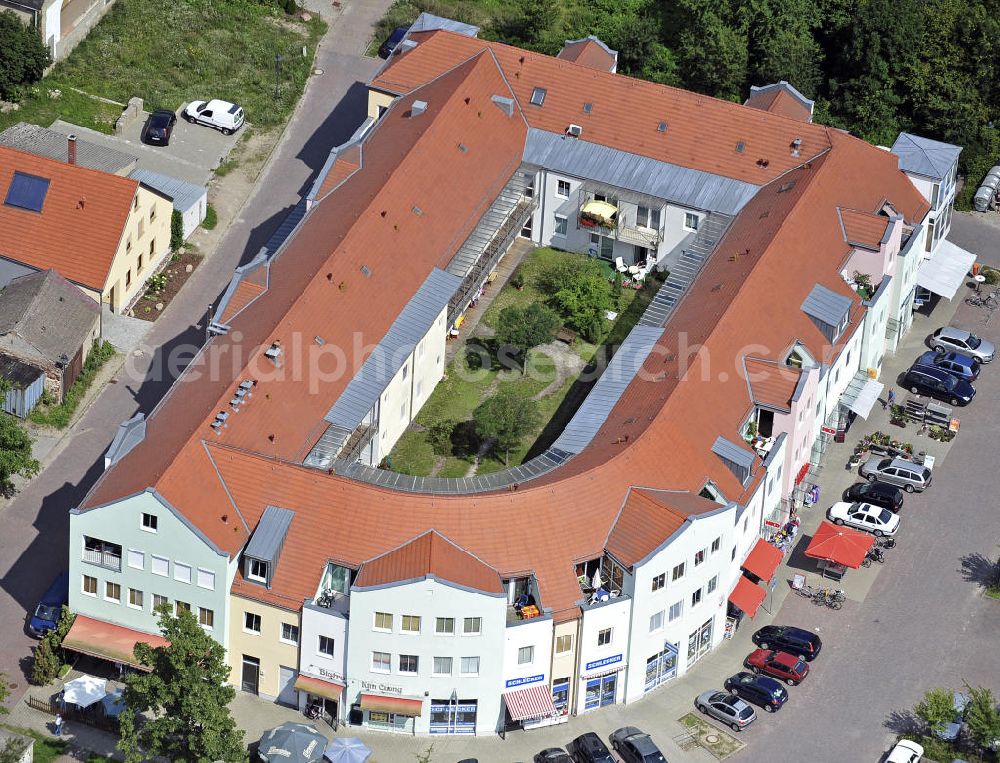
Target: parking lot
x=192, y=156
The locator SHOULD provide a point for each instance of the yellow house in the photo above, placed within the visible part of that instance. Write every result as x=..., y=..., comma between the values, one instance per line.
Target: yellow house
x=104, y=233
x=263, y=649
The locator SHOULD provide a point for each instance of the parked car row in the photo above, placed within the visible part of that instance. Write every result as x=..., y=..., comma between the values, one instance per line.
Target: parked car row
x=784, y=654
x=946, y=372
x=632, y=745
x=222, y=115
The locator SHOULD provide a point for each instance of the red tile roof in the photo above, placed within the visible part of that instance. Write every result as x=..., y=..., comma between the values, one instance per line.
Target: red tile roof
x=785, y=240
x=81, y=222
x=429, y=555
x=343, y=167
x=772, y=383
x=648, y=518
x=780, y=101
x=864, y=229
x=245, y=293
x=588, y=52
x=626, y=112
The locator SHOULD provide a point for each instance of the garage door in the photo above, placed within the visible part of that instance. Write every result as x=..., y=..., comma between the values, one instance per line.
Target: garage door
x=286, y=686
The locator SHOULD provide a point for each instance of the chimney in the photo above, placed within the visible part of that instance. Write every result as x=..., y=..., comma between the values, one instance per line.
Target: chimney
x=417, y=108
x=71, y=149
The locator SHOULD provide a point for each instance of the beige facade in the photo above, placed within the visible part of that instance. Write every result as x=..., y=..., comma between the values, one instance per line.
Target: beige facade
x=564, y=661
x=145, y=241
x=378, y=102
x=263, y=649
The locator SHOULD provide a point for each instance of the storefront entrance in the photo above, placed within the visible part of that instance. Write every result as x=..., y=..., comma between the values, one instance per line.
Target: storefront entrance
x=453, y=717
x=251, y=674
x=699, y=643
x=662, y=666
x=601, y=691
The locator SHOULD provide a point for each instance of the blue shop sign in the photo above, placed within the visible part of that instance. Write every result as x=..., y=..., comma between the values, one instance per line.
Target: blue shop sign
x=602, y=663
x=526, y=680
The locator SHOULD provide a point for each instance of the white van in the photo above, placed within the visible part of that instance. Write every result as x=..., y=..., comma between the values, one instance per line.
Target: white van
x=222, y=115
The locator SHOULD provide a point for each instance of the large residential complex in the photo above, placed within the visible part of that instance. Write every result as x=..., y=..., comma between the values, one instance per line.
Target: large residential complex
x=607, y=565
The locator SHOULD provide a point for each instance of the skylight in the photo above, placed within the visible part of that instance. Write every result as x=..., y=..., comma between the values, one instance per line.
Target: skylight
x=538, y=96
x=27, y=192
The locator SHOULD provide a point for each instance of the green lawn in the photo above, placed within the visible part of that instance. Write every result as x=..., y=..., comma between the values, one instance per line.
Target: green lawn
x=467, y=384
x=48, y=749
x=169, y=53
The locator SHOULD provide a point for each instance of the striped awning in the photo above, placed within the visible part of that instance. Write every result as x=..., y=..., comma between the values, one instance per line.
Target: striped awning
x=398, y=705
x=532, y=702
x=319, y=687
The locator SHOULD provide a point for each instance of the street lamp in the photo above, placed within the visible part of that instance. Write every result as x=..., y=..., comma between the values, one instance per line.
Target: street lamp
x=277, y=74
x=454, y=715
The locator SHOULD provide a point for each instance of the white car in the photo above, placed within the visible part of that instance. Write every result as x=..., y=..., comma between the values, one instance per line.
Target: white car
x=864, y=516
x=905, y=751
x=222, y=115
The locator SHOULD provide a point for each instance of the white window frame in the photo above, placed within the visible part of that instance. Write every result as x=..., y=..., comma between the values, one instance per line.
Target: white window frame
x=379, y=628
x=211, y=612
x=568, y=642
x=333, y=646
x=434, y=666
x=152, y=565
x=260, y=623
x=713, y=583
x=133, y=555
x=416, y=669
x=142, y=598
x=410, y=631
x=677, y=606
x=687, y=218
x=462, y=670
x=438, y=621
x=526, y=655
x=659, y=581
x=251, y=575
x=179, y=568
x=166, y=600
x=203, y=577
x=145, y=527
x=281, y=634
x=559, y=188
x=675, y=575
x=656, y=622
x=477, y=621
x=699, y=594
x=609, y=632
x=110, y=598
x=377, y=666
x=561, y=221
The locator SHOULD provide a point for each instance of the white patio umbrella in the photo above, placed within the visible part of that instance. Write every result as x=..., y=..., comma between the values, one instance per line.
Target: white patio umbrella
x=595, y=583
x=85, y=691
x=346, y=750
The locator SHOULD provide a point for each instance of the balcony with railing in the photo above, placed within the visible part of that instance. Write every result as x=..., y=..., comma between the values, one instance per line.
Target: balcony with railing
x=634, y=222
x=102, y=553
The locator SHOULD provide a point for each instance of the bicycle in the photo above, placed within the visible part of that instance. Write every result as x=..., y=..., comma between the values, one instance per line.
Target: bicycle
x=874, y=555
x=978, y=300
x=808, y=591
x=833, y=598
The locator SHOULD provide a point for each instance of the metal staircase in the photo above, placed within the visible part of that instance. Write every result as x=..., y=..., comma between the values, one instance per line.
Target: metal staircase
x=492, y=236
x=683, y=273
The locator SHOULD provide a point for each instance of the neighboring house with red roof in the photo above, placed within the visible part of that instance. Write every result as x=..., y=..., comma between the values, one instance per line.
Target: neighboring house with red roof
x=603, y=567
x=104, y=233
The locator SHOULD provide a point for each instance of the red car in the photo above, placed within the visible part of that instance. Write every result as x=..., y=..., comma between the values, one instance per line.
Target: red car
x=787, y=667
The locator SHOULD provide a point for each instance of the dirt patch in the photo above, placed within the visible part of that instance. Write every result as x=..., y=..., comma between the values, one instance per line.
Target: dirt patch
x=151, y=305
x=567, y=365
x=711, y=737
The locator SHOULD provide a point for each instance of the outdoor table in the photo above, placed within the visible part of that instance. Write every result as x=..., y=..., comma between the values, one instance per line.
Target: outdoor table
x=831, y=570
x=633, y=269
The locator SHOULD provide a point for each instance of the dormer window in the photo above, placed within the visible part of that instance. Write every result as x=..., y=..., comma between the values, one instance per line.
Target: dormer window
x=256, y=570
x=794, y=360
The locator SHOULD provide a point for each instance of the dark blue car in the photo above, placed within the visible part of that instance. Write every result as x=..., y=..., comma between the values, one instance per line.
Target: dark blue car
x=937, y=383
x=958, y=365
x=762, y=691
x=50, y=607
x=387, y=47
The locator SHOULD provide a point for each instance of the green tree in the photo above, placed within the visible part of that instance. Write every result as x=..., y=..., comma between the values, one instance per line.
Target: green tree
x=526, y=22
x=583, y=304
x=982, y=718
x=505, y=419
x=48, y=655
x=781, y=43
x=439, y=435
x=936, y=709
x=176, y=230
x=184, y=697
x=711, y=49
x=23, y=55
x=15, y=449
x=524, y=328
x=4, y=693
x=12, y=750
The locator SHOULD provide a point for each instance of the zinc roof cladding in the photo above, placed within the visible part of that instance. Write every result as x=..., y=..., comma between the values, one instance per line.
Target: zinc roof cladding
x=316, y=279
x=688, y=187
x=78, y=200
x=772, y=384
x=781, y=98
x=183, y=195
x=825, y=304
x=269, y=535
x=429, y=555
x=47, y=312
x=648, y=517
x=590, y=52
x=702, y=132
x=51, y=144
x=924, y=156
x=863, y=229
x=399, y=342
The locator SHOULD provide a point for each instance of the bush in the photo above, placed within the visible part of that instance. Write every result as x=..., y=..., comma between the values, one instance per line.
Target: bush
x=23, y=55
x=59, y=416
x=211, y=219
x=439, y=436
x=992, y=276
x=176, y=230
x=583, y=303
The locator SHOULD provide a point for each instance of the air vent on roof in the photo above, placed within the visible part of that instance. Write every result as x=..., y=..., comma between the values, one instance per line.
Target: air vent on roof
x=274, y=351
x=418, y=108
x=740, y=147
x=587, y=108
x=463, y=148
x=661, y=127
x=786, y=186
x=417, y=211
x=319, y=340
x=796, y=145
x=762, y=163
x=506, y=105
x=365, y=271
x=575, y=130
x=538, y=96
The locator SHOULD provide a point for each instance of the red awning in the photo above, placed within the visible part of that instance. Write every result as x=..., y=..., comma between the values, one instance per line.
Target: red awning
x=763, y=560
x=387, y=704
x=107, y=641
x=319, y=687
x=839, y=544
x=530, y=703
x=747, y=596
x=802, y=473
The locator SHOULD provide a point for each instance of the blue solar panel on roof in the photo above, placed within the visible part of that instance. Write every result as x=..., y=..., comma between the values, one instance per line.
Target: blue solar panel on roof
x=27, y=192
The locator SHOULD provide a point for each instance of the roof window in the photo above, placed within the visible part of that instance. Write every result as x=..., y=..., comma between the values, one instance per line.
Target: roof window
x=661, y=127
x=538, y=96
x=587, y=108
x=274, y=351
x=27, y=192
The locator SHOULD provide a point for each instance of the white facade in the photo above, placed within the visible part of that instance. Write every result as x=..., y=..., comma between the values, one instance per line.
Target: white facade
x=527, y=654
x=603, y=651
x=469, y=664
x=323, y=649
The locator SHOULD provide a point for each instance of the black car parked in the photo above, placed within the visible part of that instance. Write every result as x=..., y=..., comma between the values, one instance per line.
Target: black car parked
x=553, y=755
x=876, y=493
x=635, y=746
x=762, y=691
x=387, y=47
x=589, y=748
x=938, y=383
x=159, y=127
x=803, y=644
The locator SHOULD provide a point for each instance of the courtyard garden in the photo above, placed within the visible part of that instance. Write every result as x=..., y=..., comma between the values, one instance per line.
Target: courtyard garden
x=526, y=368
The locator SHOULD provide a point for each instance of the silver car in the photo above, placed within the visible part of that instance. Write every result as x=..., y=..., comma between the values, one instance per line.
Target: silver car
x=950, y=338
x=726, y=707
x=897, y=471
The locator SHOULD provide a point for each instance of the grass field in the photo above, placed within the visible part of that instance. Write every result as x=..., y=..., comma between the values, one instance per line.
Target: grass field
x=170, y=53
x=47, y=749
x=468, y=383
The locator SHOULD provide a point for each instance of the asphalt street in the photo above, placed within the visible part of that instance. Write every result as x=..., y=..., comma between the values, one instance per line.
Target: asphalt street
x=34, y=527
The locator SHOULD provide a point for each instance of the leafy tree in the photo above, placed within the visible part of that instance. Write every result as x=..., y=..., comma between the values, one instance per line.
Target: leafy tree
x=524, y=328
x=47, y=657
x=936, y=709
x=12, y=750
x=712, y=49
x=23, y=55
x=184, y=696
x=176, y=230
x=782, y=45
x=15, y=449
x=583, y=304
x=4, y=693
x=982, y=718
x=439, y=436
x=526, y=22
x=506, y=418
